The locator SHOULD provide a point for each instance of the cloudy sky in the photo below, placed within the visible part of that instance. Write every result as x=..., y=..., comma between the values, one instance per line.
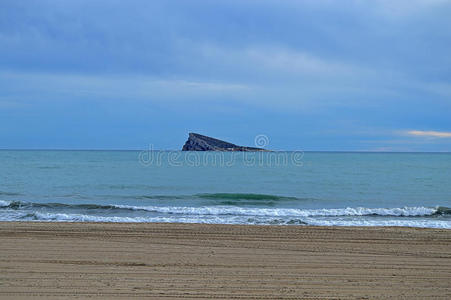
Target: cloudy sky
x=311, y=75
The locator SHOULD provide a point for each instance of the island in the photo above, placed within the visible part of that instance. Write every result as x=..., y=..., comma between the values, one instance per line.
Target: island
x=198, y=142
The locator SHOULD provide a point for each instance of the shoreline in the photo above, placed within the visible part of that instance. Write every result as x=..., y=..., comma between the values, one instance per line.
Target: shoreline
x=349, y=227
x=51, y=260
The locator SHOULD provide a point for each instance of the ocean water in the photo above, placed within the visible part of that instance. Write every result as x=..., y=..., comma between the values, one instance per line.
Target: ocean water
x=285, y=188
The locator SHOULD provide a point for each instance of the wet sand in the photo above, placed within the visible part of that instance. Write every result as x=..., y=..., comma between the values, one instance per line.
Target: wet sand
x=98, y=260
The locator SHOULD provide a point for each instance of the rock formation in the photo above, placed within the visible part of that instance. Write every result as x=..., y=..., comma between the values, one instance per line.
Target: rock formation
x=198, y=142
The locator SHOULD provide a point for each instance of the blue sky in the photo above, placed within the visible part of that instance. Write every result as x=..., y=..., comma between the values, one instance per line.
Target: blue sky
x=311, y=75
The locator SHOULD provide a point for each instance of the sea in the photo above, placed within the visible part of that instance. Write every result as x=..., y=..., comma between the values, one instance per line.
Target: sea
x=255, y=188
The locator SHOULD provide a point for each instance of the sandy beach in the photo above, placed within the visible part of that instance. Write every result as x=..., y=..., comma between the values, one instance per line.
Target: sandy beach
x=99, y=260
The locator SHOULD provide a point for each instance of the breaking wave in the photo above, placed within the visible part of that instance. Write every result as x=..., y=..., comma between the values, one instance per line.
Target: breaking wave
x=233, y=210
x=256, y=220
x=436, y=217
x=230, y=210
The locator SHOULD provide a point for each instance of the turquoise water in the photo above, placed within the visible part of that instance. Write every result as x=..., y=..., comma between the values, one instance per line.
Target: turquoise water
x=316, y=188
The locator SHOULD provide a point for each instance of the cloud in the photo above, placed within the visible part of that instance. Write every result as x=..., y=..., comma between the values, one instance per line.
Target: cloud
x=292, y=67
x=287, y=60
x=37, y=86
x=437, y=134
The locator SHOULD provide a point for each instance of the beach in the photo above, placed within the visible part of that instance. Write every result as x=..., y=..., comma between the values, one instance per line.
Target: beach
x=123, y=260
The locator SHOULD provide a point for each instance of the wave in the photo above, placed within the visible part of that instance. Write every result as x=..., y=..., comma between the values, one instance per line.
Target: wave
x=65, y=217
x=246, y=199
x=223, y=198
x=423, y=223
x=442, y=210
x=286, y=212
x=4, y=203
x=3, y=193
x=49, y=167
x=227, y=197
x=243, y=196
x=242, y=211
x=156, y=197
x=420, y=216
x=26, y=205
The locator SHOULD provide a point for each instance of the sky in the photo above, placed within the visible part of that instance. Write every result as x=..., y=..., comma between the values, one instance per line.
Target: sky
x=309, y=75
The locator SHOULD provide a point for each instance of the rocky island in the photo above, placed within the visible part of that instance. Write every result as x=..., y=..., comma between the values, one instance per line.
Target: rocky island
x=198, y=142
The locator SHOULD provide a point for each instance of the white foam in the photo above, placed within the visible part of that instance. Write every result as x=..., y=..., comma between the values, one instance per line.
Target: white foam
x=61, y=217
x=359, y=216
x=228, y=219
x=391, y=222
x=285, y=212
x=4, y=203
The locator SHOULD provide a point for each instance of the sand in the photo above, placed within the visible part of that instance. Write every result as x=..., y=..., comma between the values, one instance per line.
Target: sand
x=98, y=260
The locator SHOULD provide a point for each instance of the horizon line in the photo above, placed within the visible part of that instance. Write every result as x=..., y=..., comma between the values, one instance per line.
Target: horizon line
x=167, y=150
